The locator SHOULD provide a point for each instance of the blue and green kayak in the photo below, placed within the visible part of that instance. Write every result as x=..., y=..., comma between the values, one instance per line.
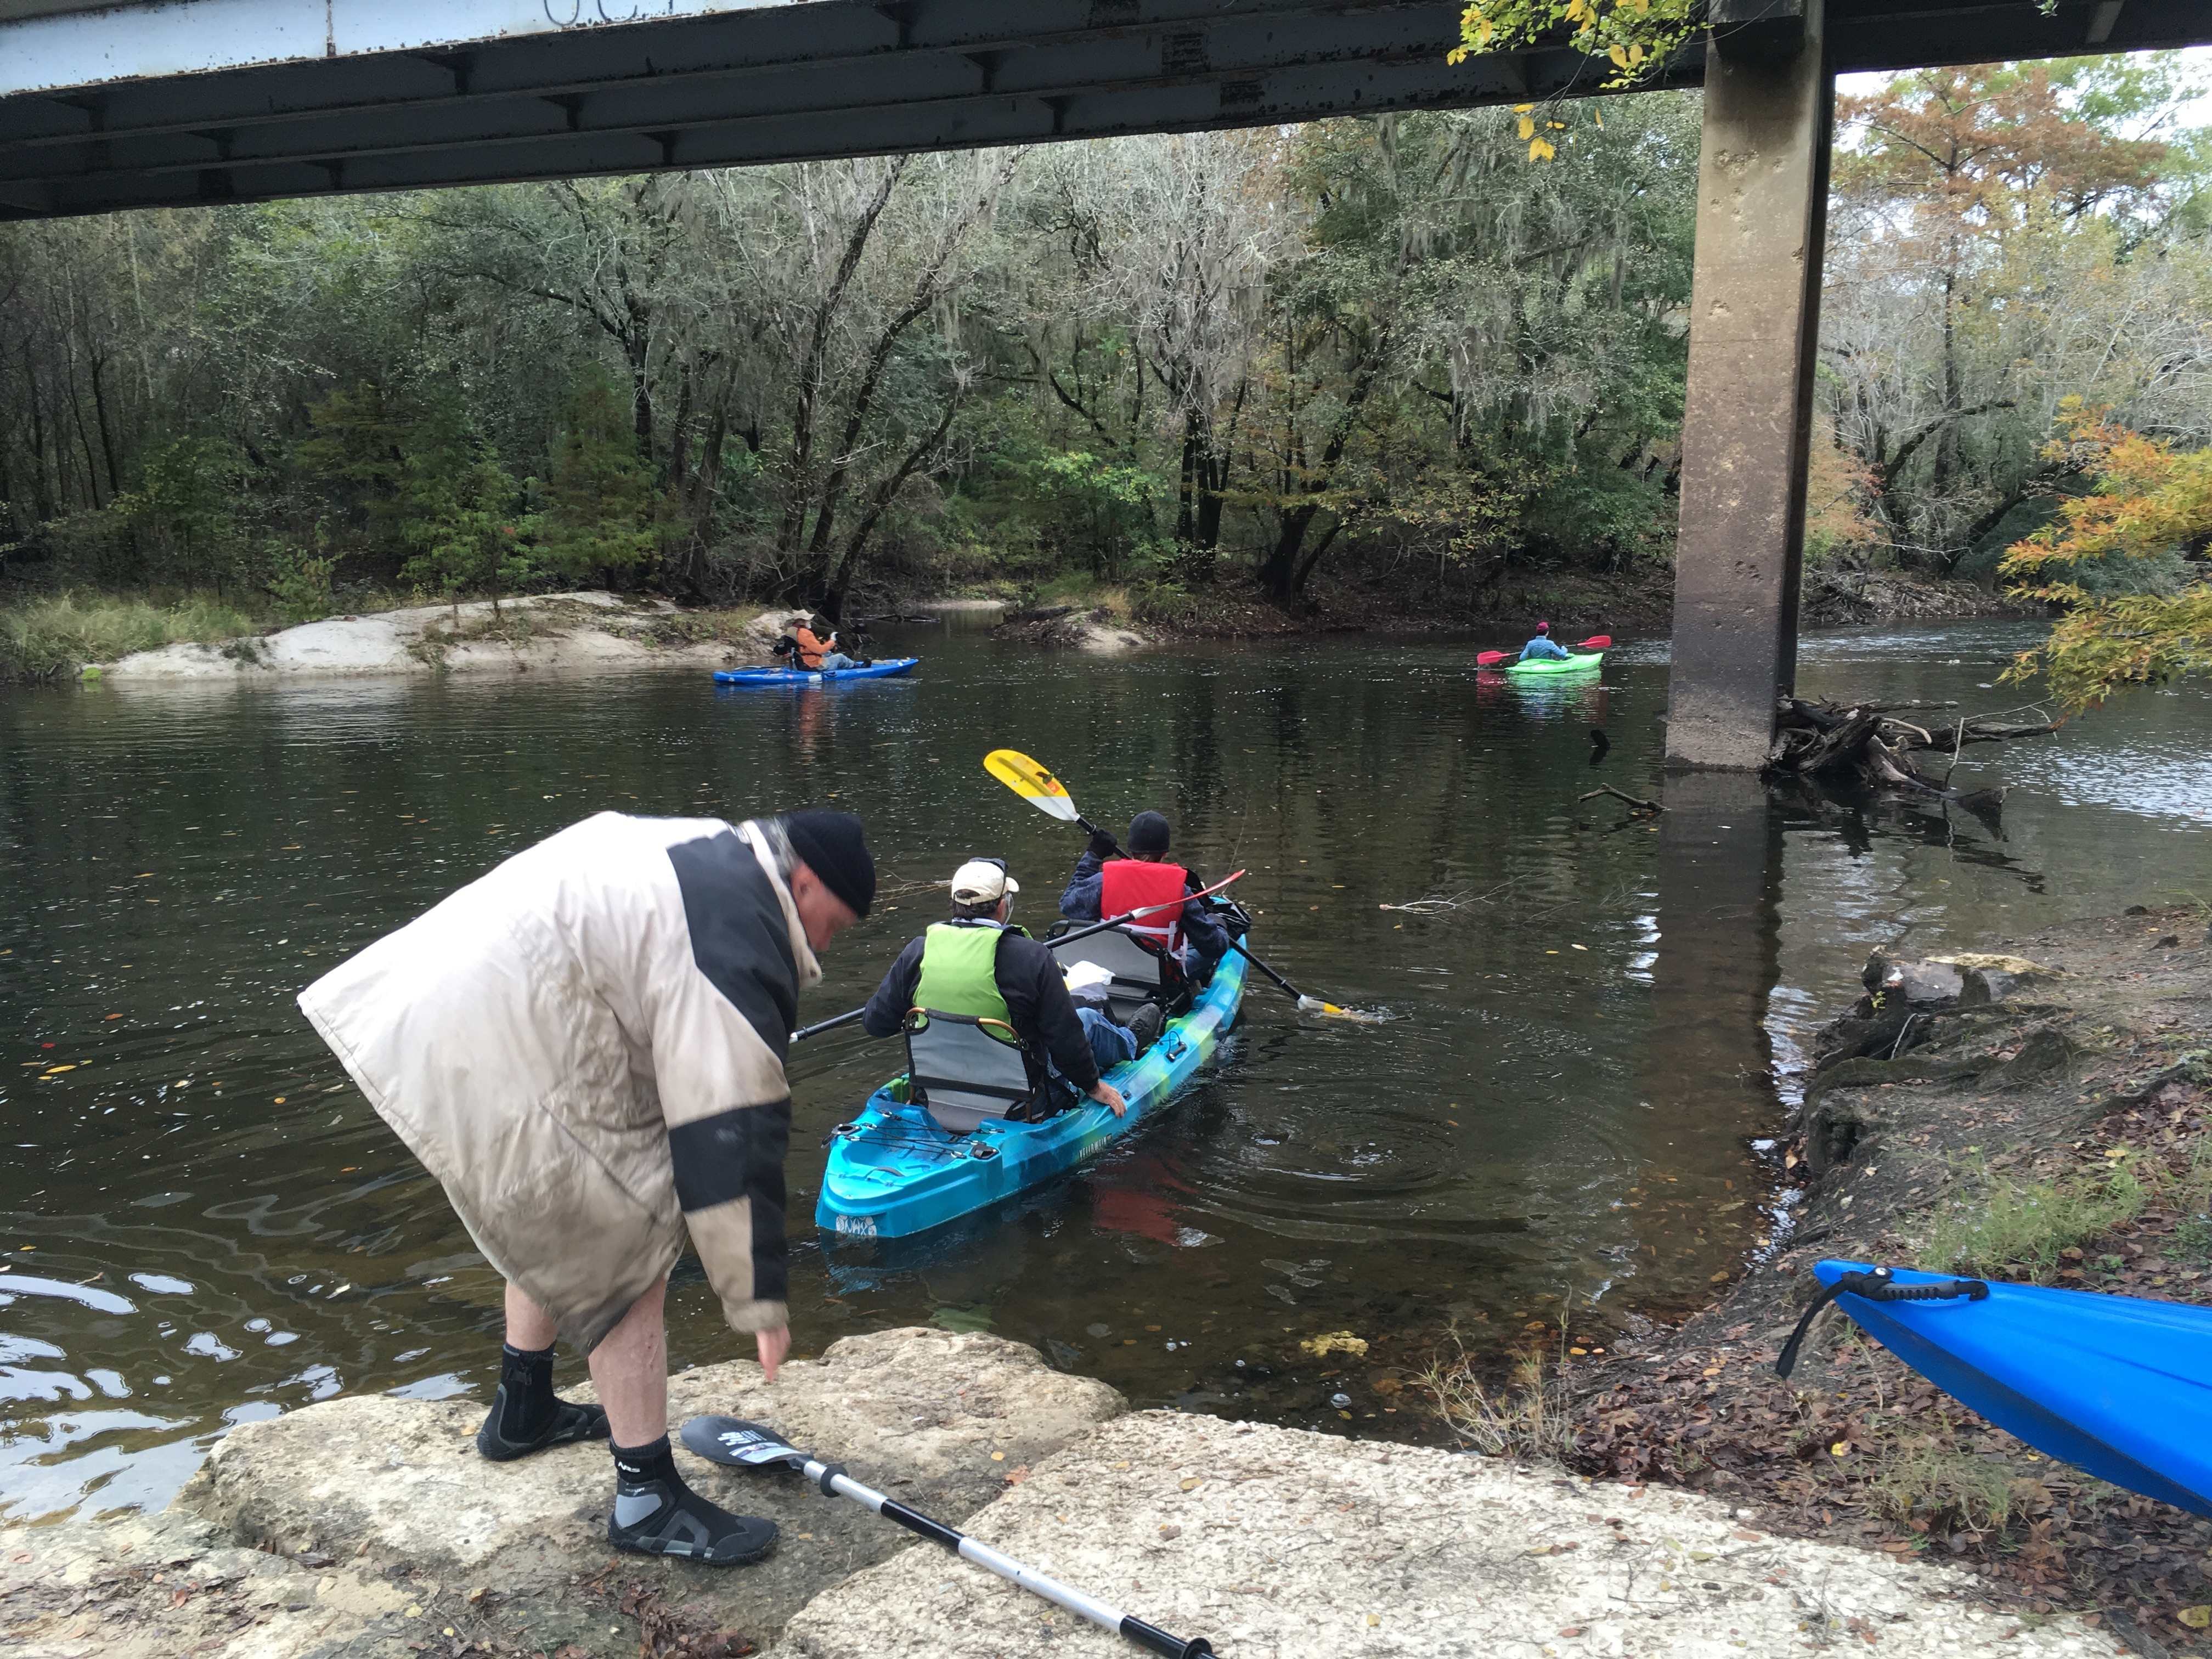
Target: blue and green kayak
x=893, y=1172
x=1580, y=663
x=771, y=678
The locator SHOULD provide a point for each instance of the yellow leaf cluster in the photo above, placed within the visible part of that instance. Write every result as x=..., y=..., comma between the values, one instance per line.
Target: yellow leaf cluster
x=2149, y=499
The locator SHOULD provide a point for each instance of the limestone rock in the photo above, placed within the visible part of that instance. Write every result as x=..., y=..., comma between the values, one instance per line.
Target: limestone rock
x=395, y=1485
x=1065, y=627
x=152, y=1586
x=1290, y=1543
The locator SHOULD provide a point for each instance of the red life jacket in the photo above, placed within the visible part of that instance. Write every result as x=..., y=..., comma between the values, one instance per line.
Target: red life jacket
x=1128, y=885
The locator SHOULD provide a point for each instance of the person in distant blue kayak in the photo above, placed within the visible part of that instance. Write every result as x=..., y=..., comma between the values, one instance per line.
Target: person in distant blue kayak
x=1543, y=645
x=817, y=652
x=1110, y=882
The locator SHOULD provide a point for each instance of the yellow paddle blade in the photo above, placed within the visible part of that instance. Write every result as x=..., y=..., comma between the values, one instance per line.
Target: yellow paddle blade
x=1032, y=782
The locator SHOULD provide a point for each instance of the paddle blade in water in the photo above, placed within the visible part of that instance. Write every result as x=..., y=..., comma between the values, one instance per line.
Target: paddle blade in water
x=1032, y=782
x=1485, y=659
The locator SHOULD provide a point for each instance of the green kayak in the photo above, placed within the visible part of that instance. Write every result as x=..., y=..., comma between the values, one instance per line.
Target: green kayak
x=1581, y=664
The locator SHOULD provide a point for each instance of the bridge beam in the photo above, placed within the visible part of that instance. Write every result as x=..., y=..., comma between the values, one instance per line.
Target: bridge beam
x=1755, y=314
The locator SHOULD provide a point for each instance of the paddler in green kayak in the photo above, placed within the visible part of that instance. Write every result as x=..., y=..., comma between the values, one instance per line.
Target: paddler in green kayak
x=1544, y=646
x=981, y=966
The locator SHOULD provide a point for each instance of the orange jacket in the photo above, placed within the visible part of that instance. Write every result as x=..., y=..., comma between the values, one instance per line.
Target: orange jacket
x=811, y=645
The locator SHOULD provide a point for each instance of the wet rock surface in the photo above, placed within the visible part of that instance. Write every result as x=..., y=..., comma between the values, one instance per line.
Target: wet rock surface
x=1273, y=1542
x=375, y=1516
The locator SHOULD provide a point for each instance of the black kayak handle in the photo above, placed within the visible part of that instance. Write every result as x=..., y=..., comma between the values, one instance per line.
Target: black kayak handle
x=1876, y=1286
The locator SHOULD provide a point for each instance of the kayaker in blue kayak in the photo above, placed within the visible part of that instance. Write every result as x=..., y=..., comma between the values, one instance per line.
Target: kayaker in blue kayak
x=1543, y=646
x=981, y=966
x=1108, y=883
x=818, y=652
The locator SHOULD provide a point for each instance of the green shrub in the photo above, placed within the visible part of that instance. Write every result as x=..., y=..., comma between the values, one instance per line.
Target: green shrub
x=299, y=582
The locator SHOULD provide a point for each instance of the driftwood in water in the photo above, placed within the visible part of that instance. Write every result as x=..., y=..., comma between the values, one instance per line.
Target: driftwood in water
x=1874, y=741
x=1637, y=802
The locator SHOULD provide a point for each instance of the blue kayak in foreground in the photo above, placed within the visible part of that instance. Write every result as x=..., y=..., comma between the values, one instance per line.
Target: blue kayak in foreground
x=2113, y=1384
x=768, y=677
x=893, y=1172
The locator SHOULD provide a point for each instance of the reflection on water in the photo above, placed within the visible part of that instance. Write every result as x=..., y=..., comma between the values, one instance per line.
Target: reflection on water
x=203, y=1222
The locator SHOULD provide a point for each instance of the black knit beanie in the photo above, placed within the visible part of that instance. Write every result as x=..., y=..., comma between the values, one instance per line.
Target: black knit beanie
x=830, y=844
x=1148, y=833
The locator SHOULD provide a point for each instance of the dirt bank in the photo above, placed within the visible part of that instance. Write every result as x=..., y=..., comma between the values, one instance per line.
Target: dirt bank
x=2037, y=1113
x=552, y=631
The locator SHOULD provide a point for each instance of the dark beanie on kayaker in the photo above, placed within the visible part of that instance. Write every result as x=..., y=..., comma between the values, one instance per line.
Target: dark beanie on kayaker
x=1148, y=833
x=830, y=844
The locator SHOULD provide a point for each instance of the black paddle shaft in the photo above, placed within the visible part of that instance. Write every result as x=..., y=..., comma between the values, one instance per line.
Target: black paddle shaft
x=827, y=1025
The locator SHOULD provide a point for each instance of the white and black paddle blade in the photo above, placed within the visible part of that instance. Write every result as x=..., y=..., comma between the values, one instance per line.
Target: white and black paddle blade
x=739, y=1445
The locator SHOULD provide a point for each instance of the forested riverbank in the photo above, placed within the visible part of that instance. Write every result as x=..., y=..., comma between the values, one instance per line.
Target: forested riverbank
x=1365, y=371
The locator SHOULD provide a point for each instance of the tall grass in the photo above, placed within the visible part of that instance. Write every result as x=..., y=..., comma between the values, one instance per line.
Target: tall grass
x=62, y=632
x=1528, y=1417
x=2010, y=1224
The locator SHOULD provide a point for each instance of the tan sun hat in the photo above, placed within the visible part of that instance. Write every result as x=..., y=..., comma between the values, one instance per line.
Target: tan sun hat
x=982, y=881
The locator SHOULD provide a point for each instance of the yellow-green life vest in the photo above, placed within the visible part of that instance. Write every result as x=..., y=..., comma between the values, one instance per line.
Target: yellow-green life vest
x=959, y=972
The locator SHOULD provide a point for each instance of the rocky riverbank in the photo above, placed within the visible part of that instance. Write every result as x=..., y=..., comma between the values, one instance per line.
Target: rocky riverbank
x=369, y=1528
x=581, y=631
x=2038, y=1112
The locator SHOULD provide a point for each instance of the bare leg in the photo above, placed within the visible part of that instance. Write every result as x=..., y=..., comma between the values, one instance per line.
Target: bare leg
x=630, y=1366
x=529, y=1327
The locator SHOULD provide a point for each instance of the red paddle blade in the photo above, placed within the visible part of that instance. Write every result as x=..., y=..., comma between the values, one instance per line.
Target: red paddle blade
x=1596, y=643
x=1484, y=659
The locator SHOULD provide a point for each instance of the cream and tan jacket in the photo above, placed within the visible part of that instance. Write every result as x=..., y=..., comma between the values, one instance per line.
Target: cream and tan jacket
x=586, y=1046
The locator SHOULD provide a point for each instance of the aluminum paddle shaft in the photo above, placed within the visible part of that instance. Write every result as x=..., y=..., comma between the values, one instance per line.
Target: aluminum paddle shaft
x=829, y=1479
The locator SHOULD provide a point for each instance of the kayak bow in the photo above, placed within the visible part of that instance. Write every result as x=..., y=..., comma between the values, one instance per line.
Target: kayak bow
x=2116, y=1385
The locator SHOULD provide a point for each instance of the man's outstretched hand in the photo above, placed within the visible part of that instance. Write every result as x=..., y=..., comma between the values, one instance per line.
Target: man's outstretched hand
x=1109, y=1096
x=773, y=1346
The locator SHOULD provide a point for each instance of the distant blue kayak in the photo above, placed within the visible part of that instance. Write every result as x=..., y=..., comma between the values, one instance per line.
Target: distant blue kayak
x=770, y=678
x=893, y=1172
x=2116, y=1385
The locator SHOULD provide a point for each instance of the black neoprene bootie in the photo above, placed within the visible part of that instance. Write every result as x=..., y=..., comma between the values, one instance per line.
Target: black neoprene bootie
x=1144, y=1024
x=656, y=1514
x=526, y=1417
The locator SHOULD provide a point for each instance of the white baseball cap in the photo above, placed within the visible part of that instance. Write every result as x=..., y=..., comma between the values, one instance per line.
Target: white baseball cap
x=982, y=881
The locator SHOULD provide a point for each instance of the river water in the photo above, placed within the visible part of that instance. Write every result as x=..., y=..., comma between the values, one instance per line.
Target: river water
x=203, y=1223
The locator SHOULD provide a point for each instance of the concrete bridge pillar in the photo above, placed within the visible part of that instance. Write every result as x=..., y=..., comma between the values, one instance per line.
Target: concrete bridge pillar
x=1755, y=311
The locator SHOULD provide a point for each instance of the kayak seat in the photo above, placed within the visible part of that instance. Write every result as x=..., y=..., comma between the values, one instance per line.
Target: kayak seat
x=963, y=1071
x=1141, y=973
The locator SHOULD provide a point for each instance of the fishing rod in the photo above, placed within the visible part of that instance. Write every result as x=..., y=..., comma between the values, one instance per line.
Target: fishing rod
x=736, y=1443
